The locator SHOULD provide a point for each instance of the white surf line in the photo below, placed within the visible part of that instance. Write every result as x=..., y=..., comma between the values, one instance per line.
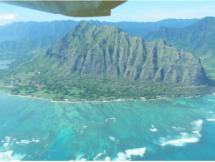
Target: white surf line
x=184, y=137
x=10, y=156
x=127, y=154
x=153, y=129
x=210, y=119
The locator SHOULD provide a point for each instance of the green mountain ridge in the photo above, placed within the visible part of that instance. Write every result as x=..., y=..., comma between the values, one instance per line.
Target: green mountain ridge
x=104, y=50
x=95, y=61
x=197, y=38
x=18, y=40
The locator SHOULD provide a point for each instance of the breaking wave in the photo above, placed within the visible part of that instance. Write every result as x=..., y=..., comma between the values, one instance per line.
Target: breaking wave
x=211, y=119
x=184, y=137
x=153, y=129
x=10, y=155
x=7, y=154
x=128, y=154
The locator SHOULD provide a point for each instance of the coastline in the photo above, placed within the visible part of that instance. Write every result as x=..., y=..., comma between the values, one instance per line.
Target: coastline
x=143, y=99
x=77, y=101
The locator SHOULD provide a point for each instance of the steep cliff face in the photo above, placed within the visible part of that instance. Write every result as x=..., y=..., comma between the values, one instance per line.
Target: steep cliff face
x=165, y=63
x=102, y=50
x=197, y=38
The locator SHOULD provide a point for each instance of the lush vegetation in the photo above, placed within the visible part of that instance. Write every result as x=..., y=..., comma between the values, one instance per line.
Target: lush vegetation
x=197, y=38
x=71, y=69
x=81, y=88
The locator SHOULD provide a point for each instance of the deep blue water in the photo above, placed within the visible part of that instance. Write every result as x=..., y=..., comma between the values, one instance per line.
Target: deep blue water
x=164, y=129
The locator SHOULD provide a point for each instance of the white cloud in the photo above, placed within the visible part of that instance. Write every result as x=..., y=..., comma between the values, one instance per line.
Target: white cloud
x=7, y=17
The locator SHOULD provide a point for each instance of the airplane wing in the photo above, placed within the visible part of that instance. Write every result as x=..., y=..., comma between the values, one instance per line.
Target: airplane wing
x=72, y=8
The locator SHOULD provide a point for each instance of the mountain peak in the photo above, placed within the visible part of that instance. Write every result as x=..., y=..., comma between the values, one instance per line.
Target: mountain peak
x=84, y=24
x=103, y=50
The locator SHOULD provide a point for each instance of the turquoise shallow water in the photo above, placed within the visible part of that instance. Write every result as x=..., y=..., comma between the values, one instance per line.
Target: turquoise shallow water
x=165, y=129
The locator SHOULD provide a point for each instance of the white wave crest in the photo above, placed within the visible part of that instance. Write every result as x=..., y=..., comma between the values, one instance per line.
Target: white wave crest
x=80, y=158
x=112, y=138
x=7, y=141
x=26, y=142
x=178, y=128
x=180, y=142
x=98, y=156
x=107, y=158
x=184, y=137
x=211, y=119
x=127, y=154
x=211, y=112
x=9, y=155
x=111, y=119
x=153, y=129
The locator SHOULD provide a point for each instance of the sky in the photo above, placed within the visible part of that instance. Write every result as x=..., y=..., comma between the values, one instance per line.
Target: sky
x=141, y=11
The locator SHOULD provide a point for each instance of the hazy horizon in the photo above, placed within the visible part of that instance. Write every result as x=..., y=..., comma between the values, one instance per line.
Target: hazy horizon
x=50, y=21
x=131, y=11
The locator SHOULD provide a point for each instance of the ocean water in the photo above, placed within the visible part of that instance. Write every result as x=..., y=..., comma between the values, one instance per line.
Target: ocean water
x=4, y=64
x=163, y=129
